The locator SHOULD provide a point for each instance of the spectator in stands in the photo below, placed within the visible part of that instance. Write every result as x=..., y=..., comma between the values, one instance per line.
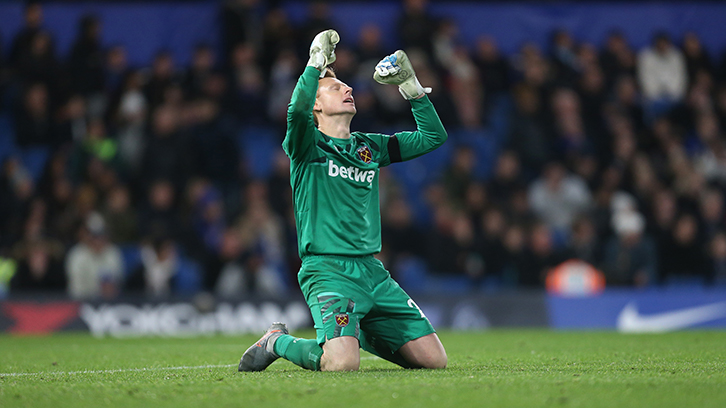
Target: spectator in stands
x=539, y=257
x=126, y=115
x=558, y=197
x=490, y=247
x=476, y=202
x=282, y=82
x=720, y=105
x=259, y=263
x=369, y=46
x=247, y=84
x=40, y=268
x=461, y=73
x=584, y=243
x=159, y=265
x=697, y=59
x=208, y=218
x=507, y=178
x=86, y=63
x=711, y=206
x=33, y=22
x=514, y=241
x=168, y=153
x=228, y=264
x=202, y=67
x=571, y=140
x=96, y=146
x=683, y=254
x=33, y=123
x=400, y=234
x=460, y=174
x=566, y=65
x=448, y=244
x=71, y=122
x=16, y=190
x=662, y=75
x=94, y=266
x=317, y=20
x=528, y=135
x=121, y=217
x=39, y=64
x=260, y=227
x=278, y=185
x=215, y=146
x=629, y=257
x=61, y=210
x=163, y=76
x=414, y=26
x=626, y=102
x=493, y=68
x=278, y=36
x=717, y=259
x=115, y=67
x=159, y=216
x=241, y=23
x=617, y=59
x=593, y=95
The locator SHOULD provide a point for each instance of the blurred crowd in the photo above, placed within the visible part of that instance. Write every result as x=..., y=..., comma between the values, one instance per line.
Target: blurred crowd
x=611, y=155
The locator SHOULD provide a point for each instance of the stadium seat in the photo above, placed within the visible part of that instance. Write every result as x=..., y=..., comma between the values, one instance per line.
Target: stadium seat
x=7, y=137
x=258, y=145
x=188, y=278
x=131, y=255
x=34, y=159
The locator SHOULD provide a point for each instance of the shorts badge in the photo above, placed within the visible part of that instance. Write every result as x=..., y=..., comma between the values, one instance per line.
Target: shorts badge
x=342, y=319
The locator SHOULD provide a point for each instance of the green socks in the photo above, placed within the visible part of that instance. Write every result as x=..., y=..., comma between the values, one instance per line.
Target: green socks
x=303, y=352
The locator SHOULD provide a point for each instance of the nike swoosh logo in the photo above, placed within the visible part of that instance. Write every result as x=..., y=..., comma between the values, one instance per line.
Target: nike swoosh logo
x=631, y=321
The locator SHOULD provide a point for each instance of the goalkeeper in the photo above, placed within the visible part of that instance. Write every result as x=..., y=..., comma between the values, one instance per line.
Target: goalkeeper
x=334, y=176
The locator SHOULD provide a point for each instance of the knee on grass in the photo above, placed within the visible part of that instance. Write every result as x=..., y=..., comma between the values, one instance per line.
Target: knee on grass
x=345, y=362
x=436, y=361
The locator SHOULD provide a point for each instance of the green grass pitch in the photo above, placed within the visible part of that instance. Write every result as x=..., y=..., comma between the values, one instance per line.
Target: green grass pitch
x=498, y=368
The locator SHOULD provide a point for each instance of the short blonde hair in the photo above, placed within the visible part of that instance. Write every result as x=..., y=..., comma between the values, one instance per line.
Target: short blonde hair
x=329, y=73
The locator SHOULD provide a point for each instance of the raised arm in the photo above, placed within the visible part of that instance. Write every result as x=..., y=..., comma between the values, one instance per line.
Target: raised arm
x=429, y=134
x=300, y=124
x=396, y=69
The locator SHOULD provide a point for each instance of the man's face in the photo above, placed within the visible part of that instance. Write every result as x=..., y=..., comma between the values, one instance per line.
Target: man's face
x=334, y=98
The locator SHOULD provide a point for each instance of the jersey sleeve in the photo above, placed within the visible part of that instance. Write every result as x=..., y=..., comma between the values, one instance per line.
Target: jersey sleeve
x=300, y=133
x=429, y=134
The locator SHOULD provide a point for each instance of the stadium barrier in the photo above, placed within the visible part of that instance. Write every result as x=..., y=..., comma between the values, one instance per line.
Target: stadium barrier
x=623, y=310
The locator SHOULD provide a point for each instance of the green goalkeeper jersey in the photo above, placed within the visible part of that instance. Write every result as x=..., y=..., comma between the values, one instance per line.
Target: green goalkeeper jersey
x=335, y=181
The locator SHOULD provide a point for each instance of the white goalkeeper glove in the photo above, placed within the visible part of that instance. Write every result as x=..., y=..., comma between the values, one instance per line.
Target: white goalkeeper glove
x=396, y=69
x=322, y=50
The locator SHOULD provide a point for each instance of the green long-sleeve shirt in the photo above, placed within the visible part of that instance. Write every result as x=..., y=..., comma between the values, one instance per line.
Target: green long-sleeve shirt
x=335, y=181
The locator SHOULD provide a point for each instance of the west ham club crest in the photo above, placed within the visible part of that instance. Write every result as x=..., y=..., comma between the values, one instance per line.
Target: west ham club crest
x=364, y=153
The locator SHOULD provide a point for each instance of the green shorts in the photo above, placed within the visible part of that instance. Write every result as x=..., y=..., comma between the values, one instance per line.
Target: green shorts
x=356, y=296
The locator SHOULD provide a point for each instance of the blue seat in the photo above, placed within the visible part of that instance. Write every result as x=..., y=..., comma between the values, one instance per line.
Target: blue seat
x=131, y=255
x=7, y=137
x=258, y=145
x=485, y=145
x=188, y=278
x=34, y=159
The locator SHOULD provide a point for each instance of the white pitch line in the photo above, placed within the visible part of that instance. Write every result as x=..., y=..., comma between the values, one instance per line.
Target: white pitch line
x=131, y=370
x=120, y=370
